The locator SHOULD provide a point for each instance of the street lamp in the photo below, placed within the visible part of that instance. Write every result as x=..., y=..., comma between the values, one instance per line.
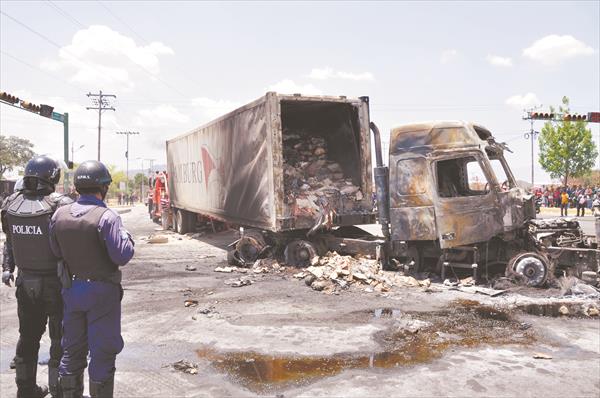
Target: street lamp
x=73, y=150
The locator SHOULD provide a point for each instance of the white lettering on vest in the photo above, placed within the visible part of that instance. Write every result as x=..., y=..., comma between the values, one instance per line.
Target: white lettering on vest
x=26, y=230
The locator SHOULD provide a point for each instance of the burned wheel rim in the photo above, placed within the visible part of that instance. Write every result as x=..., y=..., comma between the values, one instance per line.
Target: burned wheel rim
x=299, y=253
x=532, y=266
x=250, y=246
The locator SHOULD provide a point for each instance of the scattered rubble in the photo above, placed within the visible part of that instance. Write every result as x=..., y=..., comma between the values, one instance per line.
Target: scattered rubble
x=225, y=269
x=186, y=367
x=158, y=239
x=541, y=355
x=310, y=177
x=239, y=282
x=190, y=303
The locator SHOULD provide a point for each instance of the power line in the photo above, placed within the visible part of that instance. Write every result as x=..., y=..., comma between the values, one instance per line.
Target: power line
x=52, y=42
x=65, y=14
x=122, y=22
x=54, y=77
x=147, y=42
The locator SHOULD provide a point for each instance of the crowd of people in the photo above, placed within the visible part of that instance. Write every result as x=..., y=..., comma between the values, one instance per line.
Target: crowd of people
x=577, y=197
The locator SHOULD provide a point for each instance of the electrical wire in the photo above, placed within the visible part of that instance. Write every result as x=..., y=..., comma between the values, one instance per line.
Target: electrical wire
x=65, y=14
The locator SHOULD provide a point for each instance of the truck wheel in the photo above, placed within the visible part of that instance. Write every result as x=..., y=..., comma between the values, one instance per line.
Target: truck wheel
x=299, y=253
x=531, y=266
x=164, y=220
x=250, y=246
x=232, y=258
x=184, y=221
x=175, y=220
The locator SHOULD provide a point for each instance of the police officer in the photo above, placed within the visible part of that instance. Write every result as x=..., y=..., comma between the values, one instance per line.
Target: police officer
x=25, y=221
x=92, y=243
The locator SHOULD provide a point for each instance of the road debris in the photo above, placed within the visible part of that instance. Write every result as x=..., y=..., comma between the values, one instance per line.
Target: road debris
x=207, y=310
x=190, y=268
x=158, y=239
x=190, y=303
x=239, y=282
x=225, y=269
x=186, y=367
x=541, y=355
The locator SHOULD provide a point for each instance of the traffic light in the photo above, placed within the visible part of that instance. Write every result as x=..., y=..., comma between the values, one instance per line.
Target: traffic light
x=568, y=117
x=46, y=110
x=30, y=107
x=6, y=97
x=541, y=116
x=593, y=117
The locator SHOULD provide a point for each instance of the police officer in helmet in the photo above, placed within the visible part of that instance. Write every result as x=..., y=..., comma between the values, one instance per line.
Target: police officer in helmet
x=92, y=243
x=25, y=221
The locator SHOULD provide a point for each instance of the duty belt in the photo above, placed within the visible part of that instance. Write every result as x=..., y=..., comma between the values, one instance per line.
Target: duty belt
x=115, y=278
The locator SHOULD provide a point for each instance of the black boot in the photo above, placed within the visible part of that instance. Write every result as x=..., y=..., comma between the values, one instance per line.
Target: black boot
x=53, y=382
x=71, y=386
x=104, y=389
x=25, y=377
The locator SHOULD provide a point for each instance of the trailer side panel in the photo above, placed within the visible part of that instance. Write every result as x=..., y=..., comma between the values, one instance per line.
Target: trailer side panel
x=224, y=169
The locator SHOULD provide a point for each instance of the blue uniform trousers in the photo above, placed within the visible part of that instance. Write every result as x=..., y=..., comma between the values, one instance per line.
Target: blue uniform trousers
x=91, y=322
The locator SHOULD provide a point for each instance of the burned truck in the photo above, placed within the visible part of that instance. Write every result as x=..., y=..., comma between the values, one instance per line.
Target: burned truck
x=450, y=197
x=294, y=174
x=283, y=168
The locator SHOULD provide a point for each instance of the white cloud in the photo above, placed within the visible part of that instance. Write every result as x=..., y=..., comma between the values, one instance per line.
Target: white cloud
x=553, y=49
x=288, y=86
x=330, y=73
x=211, y=109
x=103, y=56
x=160, y=115
x=497, y=60
x=448, y=55
x=523, y=101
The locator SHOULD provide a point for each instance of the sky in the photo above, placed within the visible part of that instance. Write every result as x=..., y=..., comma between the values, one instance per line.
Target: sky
x=174, y=66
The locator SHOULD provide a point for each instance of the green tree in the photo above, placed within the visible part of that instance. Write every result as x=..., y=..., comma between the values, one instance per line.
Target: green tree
x=566, y=148
x=14, y=152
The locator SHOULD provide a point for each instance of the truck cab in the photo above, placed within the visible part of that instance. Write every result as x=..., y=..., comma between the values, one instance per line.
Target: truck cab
x=450, y=183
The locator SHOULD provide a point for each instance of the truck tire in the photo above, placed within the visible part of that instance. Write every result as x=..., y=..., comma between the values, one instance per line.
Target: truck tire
x=175, y=221
x=533, y=267
x=250, y=246
x=185, y=221
x=164, y=220
x=299, y=253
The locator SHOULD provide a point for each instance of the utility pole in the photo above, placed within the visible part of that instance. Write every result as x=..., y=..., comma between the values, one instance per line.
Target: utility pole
x=531, y=136
x=127, y=133
x=100, y=104
x=591, y=117
x=144, y=175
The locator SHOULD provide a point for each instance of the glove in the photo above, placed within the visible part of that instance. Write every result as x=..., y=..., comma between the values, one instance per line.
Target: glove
x=7, y=276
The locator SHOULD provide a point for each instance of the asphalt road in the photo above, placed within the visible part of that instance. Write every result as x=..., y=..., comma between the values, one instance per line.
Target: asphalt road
x=278, y=336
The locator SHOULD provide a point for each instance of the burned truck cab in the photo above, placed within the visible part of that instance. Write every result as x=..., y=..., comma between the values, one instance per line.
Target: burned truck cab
x=450, y=183
x=453, y=199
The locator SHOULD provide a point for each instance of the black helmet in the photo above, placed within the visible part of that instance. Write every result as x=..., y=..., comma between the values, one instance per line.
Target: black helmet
x=44, y=168
x=92, y=174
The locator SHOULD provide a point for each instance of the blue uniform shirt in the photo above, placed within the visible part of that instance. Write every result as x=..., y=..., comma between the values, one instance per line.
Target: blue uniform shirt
x=119, y=242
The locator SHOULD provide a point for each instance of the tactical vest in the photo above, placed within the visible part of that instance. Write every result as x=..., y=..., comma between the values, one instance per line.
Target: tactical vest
x=28, y=224
x=81, y=245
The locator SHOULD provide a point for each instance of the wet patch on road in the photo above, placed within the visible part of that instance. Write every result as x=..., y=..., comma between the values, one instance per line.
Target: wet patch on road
x=410, y=338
